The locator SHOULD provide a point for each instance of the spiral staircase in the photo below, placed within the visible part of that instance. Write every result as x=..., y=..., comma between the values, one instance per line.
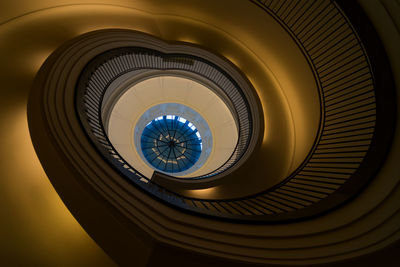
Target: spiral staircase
x=312, y=90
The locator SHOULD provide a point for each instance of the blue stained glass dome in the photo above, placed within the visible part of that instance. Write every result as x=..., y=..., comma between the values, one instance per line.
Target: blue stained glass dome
x=171, y=143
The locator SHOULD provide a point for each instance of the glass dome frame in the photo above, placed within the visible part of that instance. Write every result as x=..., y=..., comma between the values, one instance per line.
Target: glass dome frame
x=171, y=143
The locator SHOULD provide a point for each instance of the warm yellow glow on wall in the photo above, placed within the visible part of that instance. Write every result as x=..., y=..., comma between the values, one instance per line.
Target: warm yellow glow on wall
x=203, y=193
x=33, y=217
x=33, y=29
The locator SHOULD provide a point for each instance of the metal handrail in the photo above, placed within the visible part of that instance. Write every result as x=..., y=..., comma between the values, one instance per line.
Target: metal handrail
x=347, y=130
x=104, y=70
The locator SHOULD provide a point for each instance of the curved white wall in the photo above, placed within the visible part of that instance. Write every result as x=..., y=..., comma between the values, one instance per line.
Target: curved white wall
x=140, y=97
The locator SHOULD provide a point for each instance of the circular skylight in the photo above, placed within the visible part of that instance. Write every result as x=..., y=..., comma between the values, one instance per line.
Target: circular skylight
x=171, y=143
x=178, y=113
x=161, y=94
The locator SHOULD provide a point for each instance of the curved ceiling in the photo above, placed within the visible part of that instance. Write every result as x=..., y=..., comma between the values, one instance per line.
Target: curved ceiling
x=131, y=106
x=279, y=90
x=275, y=67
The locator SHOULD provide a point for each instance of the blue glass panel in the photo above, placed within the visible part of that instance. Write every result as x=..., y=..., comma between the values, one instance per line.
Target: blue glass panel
x=171, y=143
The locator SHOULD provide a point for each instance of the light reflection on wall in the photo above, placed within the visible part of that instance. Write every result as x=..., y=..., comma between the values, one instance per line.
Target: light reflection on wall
x=204, y=193
x=33, y=218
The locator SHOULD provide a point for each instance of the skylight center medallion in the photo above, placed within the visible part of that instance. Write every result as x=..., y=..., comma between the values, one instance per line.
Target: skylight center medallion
x=171, y=143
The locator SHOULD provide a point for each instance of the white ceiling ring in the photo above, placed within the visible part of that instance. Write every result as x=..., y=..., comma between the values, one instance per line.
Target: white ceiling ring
x=162, y=95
